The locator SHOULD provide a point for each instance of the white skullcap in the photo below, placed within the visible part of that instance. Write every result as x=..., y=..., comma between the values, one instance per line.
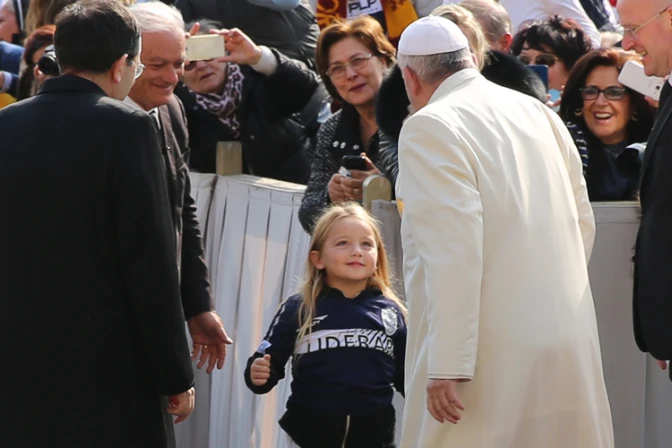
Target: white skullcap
x=432, y=35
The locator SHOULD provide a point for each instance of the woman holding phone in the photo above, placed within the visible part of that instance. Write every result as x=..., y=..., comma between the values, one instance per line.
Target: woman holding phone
x=352, y=58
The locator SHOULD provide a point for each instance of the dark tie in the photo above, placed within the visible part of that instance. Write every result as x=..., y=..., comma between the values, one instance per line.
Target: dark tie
x=155, y=117
x=665, y=94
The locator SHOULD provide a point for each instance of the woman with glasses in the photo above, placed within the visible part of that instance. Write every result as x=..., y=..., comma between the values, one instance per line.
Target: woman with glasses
x=353, y=58
x=556, y=43
x=254, y=95
x=605, y=119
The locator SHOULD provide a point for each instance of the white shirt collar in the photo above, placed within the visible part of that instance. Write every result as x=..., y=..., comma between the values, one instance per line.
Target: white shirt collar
x=154, y=113
x=670, y=79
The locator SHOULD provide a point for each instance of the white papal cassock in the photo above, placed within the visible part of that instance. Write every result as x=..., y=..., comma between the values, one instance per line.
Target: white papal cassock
x=497, y=230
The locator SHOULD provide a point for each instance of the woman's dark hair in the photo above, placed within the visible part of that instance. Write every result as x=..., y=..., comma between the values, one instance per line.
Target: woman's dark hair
x=366, y=30
x=562, y=37
x=638, y=130
x=38, y=39
x=91, y=35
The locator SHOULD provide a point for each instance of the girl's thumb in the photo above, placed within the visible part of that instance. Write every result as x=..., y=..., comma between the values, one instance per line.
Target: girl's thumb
x=267, y=358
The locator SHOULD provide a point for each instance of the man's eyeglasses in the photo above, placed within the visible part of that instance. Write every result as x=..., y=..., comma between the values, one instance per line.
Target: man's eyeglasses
x=632, y=32
x=357, y=63
x=546, y=59
x=613, y=93
x=139, y=68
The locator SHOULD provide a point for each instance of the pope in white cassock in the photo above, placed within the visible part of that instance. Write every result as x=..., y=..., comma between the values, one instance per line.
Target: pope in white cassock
x=497, y=230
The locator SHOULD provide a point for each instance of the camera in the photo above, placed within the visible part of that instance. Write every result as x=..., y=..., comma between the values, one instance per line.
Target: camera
x=48, y=64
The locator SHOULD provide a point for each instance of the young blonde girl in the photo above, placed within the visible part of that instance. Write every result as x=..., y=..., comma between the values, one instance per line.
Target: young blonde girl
x=346, y=333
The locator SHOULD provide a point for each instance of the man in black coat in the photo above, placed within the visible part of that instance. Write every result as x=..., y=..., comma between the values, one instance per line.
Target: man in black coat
x=163, y=37
x=648, y=29
x=91, y=325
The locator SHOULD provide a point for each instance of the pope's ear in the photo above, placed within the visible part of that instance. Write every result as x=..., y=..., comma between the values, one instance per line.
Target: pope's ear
x=411, y=81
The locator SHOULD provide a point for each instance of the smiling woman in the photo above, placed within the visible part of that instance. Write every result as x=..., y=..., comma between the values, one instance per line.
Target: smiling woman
x=605, y=118
x=353, y=58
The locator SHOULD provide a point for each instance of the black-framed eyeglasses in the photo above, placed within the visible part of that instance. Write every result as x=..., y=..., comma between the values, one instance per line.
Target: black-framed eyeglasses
x=612, y=93
x=546, y=59
x=357, y=63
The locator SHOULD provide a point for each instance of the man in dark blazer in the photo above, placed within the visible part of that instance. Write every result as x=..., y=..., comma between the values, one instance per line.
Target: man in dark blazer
x=163, y=49
x=648, y=28
x=92, y=335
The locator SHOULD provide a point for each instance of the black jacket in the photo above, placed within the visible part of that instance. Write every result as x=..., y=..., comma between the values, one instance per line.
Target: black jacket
x=293, y=32
x=88, y=278
x=652, y=307
x=339, y=136
x=275, y=137
x=194, y=283
x=343, y=371
x=392, y=103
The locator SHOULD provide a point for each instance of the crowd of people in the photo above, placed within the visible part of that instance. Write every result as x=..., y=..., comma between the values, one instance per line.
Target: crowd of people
x=498, y=122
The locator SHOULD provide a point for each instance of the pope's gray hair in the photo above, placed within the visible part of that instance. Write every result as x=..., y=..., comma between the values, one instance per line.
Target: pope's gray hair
x=156, y=17
x=433, y=68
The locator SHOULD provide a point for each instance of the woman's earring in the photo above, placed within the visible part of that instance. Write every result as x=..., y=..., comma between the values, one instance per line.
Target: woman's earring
x=634, y=117
x=578, y=112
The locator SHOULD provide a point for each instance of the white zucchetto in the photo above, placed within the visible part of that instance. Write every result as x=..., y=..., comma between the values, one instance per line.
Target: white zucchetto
x=432, y=35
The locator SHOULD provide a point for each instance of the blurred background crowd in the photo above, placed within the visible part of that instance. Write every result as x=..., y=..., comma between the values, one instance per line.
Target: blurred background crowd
x=308, y=82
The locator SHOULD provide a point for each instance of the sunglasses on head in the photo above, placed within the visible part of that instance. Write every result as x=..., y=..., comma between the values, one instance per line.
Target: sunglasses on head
x=546, y=59
x=613, y=93
x=190, y=65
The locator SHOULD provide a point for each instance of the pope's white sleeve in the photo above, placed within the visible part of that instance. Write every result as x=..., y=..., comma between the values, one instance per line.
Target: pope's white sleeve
x=572, y=9
x=575, y=170
x=443, y=211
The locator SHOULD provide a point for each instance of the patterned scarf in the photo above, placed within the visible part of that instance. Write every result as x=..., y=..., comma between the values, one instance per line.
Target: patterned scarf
x=225, y=106
x=398, y=15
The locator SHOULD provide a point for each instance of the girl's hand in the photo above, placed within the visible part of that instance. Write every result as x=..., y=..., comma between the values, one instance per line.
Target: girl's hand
x=260, y=371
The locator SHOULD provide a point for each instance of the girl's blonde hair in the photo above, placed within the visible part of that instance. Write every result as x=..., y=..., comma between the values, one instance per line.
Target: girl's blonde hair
x=314, y=281
x=471, y=28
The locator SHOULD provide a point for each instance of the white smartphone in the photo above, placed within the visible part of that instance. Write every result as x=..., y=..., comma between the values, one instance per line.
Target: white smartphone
x=204, y=47
x=632, y=75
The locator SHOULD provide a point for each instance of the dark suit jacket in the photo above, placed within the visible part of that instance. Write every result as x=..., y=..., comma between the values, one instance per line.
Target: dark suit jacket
x=652, y=300
x=194, y=284
x=91, y=325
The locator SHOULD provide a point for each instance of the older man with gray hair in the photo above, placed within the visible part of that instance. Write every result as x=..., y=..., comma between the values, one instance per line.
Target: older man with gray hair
x=163, y=55
x=503, y=349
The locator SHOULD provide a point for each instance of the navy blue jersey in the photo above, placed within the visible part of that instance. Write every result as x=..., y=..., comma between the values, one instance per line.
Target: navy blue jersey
x=349, y=361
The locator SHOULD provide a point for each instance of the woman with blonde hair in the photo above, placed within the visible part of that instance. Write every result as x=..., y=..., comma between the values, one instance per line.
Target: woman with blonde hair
x=346, y=332
x=467, y=22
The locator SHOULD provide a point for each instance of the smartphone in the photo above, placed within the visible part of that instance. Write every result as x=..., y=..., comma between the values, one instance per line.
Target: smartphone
x=353, y=163
x=542, y=73
x=632, y=75
x=205, y=47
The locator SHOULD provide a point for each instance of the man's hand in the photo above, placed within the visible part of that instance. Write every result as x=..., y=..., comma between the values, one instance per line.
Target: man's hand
x=182, y=405
x=210, y=340
x=443, y=402
x=662, y=364
x=260, y=371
